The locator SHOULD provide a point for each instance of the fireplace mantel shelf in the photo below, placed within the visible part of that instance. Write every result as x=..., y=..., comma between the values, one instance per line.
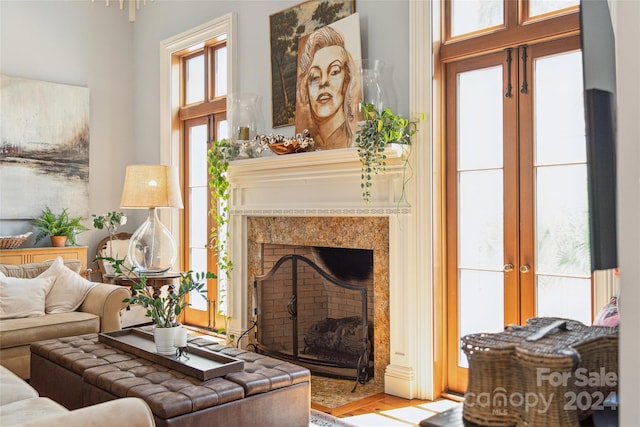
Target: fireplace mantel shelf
x=319, y=182
x=326, y=159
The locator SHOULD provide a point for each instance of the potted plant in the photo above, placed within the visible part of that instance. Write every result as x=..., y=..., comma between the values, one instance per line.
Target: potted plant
x=165, y=310
x=375, y=132
x=61, y=227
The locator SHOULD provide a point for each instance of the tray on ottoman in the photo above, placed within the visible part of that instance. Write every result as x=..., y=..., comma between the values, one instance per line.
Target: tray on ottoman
x=200, y=364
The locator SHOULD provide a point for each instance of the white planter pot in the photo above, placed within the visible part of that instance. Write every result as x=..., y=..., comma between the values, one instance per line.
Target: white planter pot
x=164, y=339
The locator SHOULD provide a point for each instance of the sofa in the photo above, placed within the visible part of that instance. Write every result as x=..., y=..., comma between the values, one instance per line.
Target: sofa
x=46, y=300
x=20, y=405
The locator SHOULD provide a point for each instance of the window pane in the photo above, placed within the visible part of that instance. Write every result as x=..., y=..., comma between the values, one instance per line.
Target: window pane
x=559, y=109
x=481, y=220
x=480, y=119
x=198, y=230
x=198, y=264
x=223, y=130
x=194, y=79
x=197, y=154
x=221, y=71
x=481, y=297
x=552, y=294
x=472, y=15
x=562, y=220
x=538, y=7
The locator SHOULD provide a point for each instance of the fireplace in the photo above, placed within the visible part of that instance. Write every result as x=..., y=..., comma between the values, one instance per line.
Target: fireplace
x=313, y=308
x=314, y=200
x=323, y=240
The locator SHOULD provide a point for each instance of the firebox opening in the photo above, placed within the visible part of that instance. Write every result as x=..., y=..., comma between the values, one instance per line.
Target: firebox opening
x=310, y=316
x=345, y=263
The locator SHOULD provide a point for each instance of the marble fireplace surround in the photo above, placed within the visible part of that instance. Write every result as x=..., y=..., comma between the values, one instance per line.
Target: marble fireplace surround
x=315, y=199
x=339, y=232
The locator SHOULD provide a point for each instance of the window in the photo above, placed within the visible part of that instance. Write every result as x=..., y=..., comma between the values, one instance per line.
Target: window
x=196, y=85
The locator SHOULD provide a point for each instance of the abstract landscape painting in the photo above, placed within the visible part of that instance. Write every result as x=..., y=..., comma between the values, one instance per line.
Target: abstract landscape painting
x=44, y=148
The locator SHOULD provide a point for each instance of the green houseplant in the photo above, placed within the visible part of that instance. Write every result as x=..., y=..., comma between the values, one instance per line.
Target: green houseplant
x=51, y=224
x=166, y=308
x=377, y=130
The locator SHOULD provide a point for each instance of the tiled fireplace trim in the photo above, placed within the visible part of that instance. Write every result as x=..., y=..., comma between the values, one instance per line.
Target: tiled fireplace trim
x=344, y=232
x=322, y=212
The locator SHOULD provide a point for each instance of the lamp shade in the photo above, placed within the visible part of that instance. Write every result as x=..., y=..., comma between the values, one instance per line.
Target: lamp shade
x=151, y=186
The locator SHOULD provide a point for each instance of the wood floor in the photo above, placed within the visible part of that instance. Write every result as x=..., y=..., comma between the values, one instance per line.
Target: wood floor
x=387, y=411
x=380, y=409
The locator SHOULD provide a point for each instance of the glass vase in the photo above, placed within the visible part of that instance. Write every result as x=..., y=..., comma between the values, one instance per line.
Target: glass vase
x=371, y=77
x=245, y=116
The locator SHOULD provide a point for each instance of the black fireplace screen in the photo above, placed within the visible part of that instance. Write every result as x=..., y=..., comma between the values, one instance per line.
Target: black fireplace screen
x=307, y=316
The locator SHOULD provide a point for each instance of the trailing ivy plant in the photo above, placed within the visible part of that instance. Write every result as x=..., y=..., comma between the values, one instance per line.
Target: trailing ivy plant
x=377, y=130
x=218, y=158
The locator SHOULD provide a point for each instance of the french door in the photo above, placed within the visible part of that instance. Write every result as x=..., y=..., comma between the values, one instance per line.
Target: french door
x=516, y=192
x=203, y=310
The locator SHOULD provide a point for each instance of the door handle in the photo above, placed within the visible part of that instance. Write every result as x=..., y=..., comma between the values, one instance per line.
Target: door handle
x=508, y=267
x=525, y=268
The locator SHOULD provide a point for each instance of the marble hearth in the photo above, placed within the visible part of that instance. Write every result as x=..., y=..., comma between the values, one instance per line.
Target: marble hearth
x=314, y=199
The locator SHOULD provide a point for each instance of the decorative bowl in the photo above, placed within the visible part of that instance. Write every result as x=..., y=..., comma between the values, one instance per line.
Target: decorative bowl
x=281, y=148
x=12, y=242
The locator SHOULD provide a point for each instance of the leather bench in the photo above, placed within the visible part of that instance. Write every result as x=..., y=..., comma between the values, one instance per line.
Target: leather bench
x=81, y=371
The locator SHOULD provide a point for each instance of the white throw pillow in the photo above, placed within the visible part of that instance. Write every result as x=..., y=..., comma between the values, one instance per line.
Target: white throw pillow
x=23, y=297
x=69, y=288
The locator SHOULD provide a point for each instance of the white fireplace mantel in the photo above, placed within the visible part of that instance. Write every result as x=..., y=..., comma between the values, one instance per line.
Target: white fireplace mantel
x=316, y=183
x=328, y=183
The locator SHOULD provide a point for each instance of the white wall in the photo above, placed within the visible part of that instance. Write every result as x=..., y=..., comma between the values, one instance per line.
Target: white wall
x=626, y=15
x=85, y=44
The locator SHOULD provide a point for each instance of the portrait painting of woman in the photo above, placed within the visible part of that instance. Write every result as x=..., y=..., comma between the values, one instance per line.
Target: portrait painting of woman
x=328, y=88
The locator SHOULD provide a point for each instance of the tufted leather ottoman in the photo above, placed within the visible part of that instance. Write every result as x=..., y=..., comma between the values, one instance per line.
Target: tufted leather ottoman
x=81, y=371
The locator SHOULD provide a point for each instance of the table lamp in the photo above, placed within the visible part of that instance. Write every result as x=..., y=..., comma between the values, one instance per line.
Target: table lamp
x=152, y=248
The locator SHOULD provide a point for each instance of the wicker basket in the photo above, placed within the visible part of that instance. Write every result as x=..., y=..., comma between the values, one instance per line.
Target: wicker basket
x=504, y=370
x=576, y=354
x=12, y=242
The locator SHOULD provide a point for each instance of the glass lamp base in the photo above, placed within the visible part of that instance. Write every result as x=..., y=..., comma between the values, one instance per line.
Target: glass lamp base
x=152, y=249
